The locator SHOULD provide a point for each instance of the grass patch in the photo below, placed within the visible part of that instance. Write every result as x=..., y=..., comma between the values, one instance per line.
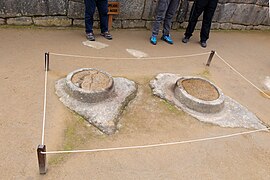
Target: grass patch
x=205, y=74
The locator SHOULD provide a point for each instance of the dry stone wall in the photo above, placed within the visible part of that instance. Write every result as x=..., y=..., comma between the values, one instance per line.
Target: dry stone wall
x=230, y=14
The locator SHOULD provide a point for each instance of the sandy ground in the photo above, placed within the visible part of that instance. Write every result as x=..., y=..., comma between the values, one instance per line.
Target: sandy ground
x=147, y=120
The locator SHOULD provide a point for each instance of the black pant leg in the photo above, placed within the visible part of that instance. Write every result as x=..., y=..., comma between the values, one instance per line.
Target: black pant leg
x=196, y=11
x=208, y=14
x=90, y=6
x=102, y=6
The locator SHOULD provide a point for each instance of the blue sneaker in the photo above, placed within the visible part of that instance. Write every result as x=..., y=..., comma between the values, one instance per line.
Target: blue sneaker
x=167, y=38
x=153, y=40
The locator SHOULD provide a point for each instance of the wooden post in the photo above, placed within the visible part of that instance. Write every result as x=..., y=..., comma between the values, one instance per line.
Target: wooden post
x=113, y=8
x=47, y=61
x=210, y=58
x=41, y=159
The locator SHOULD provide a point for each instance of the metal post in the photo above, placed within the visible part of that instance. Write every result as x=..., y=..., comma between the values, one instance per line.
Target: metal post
x=210, y=58
x=47, y=61
x=42, y=159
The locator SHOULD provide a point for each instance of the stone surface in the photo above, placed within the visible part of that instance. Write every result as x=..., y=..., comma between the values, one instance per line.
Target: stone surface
x=103, y=115
x=232, y=115
x=133, y=24
x=52, y=21
x=140, y=13
x=12, y=8
x=20, y=21
x=2, y=21
x=78, y=22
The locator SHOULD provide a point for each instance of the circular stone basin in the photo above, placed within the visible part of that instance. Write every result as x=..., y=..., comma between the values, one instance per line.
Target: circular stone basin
x=89, y=85
x=199, y=94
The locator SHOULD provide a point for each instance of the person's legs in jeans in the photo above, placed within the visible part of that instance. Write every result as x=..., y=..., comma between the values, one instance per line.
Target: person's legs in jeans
x=160, y=14
x=207, y=19
x=90, y=6
x=102, y=6
x=173, y=5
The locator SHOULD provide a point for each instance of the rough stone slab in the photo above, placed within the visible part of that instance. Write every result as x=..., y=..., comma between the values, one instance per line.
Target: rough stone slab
x=225, y=26
x=103, y=115
x=238, y=27
x=2, y=21
x=75, y=10
x=149, y=10
x=130, y=9
x=117, y=23
x=233, y=114
x=20, y=21
x=133, y=24
x=13, y=8
x=52, y=21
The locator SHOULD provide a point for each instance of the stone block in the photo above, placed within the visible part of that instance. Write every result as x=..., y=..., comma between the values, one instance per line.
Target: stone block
x=20, y=21
x=60, y=21
x=175, y=25
x=78, y=22
x=225, y=26
x=117, y=23
x=149, y=25
x=238, y=27
x=130, y=9
x=261, y=27
x=248, y=27
x=184, y=25
x=13, y=8
x=75, y=10
x=215, y=26
x=149, y=10
x=133, y=24
x=2, y=21
x=227, y=12
x=198, y=25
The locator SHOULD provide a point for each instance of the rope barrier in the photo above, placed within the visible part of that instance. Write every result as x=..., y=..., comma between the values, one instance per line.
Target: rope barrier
x=242, y=76
x=157, y=145
x=44, y=104
x=114, y=58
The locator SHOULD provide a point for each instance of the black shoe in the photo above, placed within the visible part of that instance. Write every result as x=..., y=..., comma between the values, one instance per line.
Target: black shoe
x=185, y=39
x=203, y=44
x=90, y=36
x=107, y=35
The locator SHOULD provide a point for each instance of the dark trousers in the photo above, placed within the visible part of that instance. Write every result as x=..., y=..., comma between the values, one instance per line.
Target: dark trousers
x=208, y=8
x=164, y=13
x=90, y=7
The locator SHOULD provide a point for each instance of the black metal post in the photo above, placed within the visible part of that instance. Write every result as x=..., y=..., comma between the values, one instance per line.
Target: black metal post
x=210, y=58
x=41, y=159
x=47, y=61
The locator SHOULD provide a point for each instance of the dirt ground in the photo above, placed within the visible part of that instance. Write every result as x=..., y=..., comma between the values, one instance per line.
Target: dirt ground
x=147, y=120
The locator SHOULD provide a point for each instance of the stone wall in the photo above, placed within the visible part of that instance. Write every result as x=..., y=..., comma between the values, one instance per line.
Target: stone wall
x=230, y=14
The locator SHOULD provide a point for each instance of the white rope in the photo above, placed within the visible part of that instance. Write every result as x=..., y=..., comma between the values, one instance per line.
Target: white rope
x=114, y=58
x=44, y=104
x=242, y=76
x=157, y=145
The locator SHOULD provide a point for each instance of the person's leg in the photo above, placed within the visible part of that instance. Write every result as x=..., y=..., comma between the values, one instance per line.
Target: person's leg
x=196, y=11
x=173, y=5
x=160, y=14
x=207, y=19
x=90, y=6
x=102, y=6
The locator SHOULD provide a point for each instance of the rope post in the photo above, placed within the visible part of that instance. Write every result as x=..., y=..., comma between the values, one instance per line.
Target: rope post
x=41, y=159
x=47, y=61
x=210, y=58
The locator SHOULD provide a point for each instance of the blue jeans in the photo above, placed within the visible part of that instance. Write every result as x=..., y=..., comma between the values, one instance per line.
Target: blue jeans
x=90, y=7
x=164, y=13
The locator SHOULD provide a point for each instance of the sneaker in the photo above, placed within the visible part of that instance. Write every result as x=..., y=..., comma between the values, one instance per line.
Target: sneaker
x=185, y=39
x=203, y=44
x=90, y=36
x=153, y=40
x=107, y=35
x=167, y=38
